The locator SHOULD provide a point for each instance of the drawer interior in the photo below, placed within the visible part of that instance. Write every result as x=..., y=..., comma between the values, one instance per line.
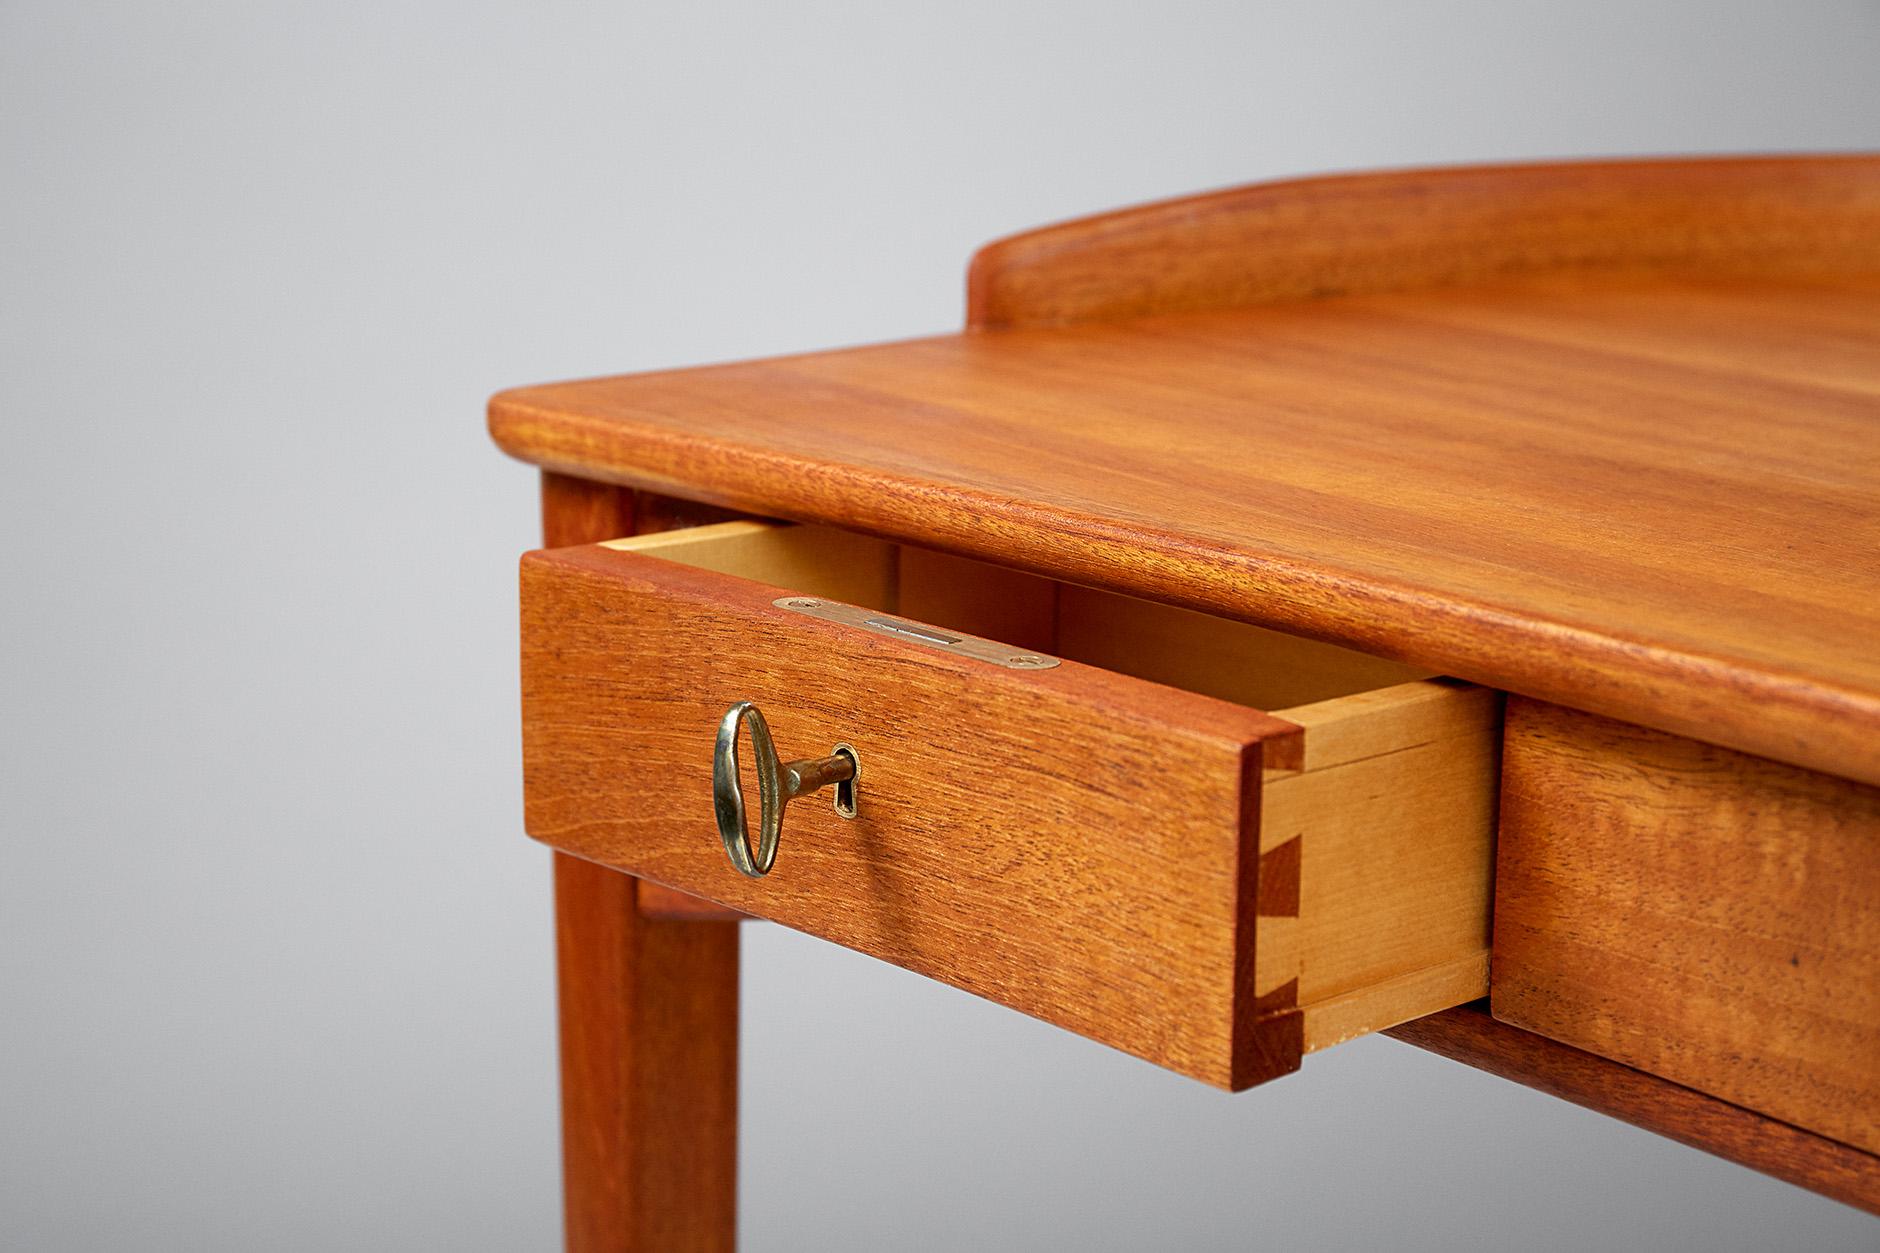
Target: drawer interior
x=1381, y=821
x=1234, y=661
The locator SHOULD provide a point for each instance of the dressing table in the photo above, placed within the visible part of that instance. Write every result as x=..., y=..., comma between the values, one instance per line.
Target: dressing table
x=1443, y=603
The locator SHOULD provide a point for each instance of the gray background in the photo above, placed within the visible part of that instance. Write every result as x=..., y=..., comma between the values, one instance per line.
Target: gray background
x=274, y=954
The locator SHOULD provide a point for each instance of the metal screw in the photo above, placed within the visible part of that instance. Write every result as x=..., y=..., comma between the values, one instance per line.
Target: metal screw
x=802, y=602
x=1028, y=661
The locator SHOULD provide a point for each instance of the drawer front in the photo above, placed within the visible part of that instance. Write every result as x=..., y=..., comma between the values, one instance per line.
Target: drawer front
x=1707, y=916
x=1073, y=842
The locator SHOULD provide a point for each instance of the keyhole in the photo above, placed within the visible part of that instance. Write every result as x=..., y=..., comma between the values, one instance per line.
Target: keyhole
x=845, y=788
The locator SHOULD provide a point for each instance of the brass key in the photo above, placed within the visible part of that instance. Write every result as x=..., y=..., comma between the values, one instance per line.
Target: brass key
x=778, y=783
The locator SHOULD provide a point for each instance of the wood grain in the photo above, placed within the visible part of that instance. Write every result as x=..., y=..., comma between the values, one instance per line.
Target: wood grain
x=649, y=1020
x=1394, y=782
x=1657, y=500
x=1392, y=231
x=1066, y=842
x=659, y=901
x=1232, y=660
x=1101, y=872
x=1700, y=914
x=581, y=511
x=1641, y=479
x=1468, y=1034
x=1392, y=816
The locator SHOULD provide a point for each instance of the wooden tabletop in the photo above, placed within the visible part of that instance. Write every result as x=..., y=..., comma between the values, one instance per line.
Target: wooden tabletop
x=1655, y=498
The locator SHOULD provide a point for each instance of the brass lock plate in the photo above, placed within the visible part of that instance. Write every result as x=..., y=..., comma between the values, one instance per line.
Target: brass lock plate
x=990, y=651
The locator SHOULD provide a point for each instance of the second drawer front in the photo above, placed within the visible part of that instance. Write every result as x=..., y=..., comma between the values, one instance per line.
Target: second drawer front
x=1707, y=916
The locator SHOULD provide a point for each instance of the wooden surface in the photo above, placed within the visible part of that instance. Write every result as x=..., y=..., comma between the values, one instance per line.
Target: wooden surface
x=1700, y=914
x=1066, y=842
x=1658, y=500
x=1071, y=842
x=649, y=1021
x=1232, y=660
x=1392, y=231
x=1468, y=1034
x=659, y=901
x=1389, y=824
x=1640, y=480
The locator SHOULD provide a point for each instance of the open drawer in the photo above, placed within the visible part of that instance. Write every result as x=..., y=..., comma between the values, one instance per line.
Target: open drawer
x=1108, y=835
